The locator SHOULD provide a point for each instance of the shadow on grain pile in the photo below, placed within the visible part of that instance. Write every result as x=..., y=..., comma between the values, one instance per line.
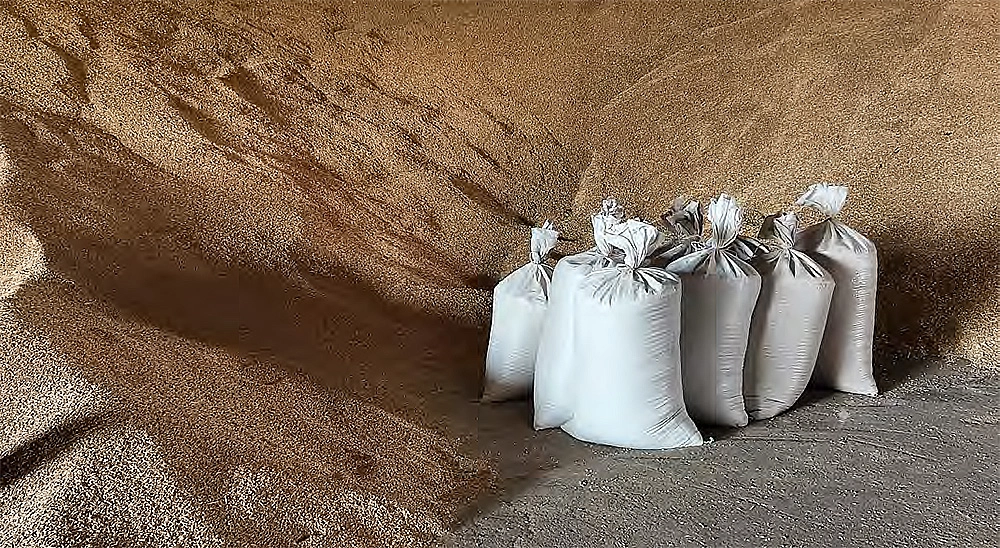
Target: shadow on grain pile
x=105, y=225
x=45, y=447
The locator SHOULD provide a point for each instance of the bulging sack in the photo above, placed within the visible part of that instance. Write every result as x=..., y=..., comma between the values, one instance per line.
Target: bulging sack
x=845, y=356
x=555, y=359
x=519, y=304
x=788, y=322
x=720, y=292
x=628, y=382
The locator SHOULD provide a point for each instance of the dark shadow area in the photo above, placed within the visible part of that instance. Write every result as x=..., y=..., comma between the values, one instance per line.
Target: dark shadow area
x=330, y=324
x=905, y=367
x=811, y=396
x=894, y=367
x=922, y=305
x=45, y=448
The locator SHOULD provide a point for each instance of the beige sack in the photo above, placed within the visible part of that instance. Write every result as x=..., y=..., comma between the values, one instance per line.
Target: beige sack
x=719, y=294
x=845, y=356
x=788, y=322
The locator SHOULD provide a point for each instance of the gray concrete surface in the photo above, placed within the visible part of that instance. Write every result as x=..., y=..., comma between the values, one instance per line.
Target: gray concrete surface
x=915, y=466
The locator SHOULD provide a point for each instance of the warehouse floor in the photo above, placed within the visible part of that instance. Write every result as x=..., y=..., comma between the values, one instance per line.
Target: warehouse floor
x=917, y=465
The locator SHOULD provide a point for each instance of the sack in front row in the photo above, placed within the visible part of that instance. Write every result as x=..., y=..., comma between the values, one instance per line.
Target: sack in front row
x=627, y=351
x=788, y=321
x=719, y=294
x=845, y=356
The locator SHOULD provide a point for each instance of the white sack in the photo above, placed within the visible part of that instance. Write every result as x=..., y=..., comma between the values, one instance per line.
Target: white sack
x=788, y=322
x=519, y=304
x=628, y=383
x=720, y=292
x=845, y=356
x=555, y=359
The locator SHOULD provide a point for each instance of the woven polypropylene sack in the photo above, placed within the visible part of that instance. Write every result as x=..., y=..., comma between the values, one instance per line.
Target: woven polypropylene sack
x=627, y=377
x=555, y=359
x=788, y=322
x=683, y=223
x=845, y=356
x=719, y=294
x=519, y=304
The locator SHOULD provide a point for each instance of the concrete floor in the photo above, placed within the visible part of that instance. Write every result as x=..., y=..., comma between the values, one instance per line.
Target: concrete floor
x=915, y=466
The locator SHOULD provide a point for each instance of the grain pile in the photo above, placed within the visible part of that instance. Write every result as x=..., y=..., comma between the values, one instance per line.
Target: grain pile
x=269, y=229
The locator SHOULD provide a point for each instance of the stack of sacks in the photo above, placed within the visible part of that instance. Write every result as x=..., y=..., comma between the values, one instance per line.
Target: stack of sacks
x=651, y=329
x=788, y=322
x=627, y=351
x=519, y=304
x=720, y=291
x=845, y=356
x=555, y=359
